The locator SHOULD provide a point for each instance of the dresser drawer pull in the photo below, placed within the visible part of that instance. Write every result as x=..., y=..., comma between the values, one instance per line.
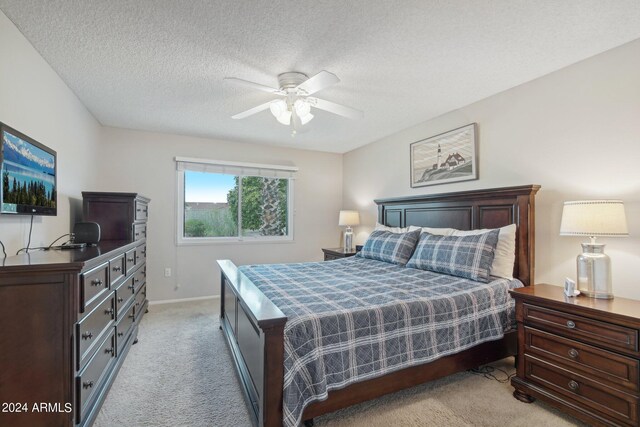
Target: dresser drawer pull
x=132, y=316
x=130, y=287
x=117, y=268
x=573, y=353
x=120, y=299
x=130, y=259
x=120, y=334
x=573, y=385
x=87, y=384
x=87, y=336
x=136, y=280
x=137, y=304
x=109, y=312
x=108, y=350
x=96, y=282
x=570, y=324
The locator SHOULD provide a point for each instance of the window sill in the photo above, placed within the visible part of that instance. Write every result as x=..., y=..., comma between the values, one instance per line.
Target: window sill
x=231, y=241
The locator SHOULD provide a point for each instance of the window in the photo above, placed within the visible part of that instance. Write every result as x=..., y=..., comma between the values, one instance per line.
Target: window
x=221, y=201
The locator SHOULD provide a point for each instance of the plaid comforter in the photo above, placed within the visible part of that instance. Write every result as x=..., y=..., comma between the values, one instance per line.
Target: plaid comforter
x=354, y=319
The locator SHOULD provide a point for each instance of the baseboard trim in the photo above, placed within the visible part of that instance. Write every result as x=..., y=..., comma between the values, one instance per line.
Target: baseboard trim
x=173, y=301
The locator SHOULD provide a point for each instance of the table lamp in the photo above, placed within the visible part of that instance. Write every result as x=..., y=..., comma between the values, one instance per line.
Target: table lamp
x=348, y=218
x=594, y=218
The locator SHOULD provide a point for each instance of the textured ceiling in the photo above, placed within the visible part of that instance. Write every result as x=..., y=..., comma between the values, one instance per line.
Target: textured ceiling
x=159, y=65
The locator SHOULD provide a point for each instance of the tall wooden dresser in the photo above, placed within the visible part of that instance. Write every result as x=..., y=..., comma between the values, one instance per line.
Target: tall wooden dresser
x=68, y=319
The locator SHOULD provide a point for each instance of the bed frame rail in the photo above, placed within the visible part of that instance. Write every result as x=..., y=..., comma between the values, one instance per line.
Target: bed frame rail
x=254, y=329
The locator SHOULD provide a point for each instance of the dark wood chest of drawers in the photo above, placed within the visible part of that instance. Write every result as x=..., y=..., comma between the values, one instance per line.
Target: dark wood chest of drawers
x=122, y=216
x=580, y=354
x=68, y=319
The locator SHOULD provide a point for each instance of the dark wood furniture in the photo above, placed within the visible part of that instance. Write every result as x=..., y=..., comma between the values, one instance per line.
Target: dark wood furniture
x=68, y=319
x=337, y=253
x=254, y=326
x=579, y=354
x=122, y=216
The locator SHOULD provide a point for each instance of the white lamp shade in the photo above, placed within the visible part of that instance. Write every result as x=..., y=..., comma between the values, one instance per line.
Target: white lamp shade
x=302, y=107
x=278, y=107
x=285, y=118
x=594, y=218
x=349, y=218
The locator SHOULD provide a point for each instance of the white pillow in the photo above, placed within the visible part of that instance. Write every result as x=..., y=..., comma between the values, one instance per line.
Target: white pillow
x=505, y=256
x=391, y=229
x=436, y=231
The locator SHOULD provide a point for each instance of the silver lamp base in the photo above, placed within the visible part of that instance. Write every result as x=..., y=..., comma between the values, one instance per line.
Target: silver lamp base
x=594, y=271
x=348, y=240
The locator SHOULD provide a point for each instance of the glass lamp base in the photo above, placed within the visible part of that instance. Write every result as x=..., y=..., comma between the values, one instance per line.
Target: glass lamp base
x=594, y=271
x=348, y=240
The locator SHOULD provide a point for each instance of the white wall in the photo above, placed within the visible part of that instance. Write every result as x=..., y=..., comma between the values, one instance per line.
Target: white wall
x=35, y=101
x=143, y=162
x=576, y=132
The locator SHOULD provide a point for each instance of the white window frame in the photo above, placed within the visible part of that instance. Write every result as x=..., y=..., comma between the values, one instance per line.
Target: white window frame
x=246, y=169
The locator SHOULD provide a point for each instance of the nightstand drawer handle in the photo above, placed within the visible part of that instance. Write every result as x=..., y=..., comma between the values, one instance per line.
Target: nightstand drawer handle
x=573, y=385
x=570, y=324
x=573, y=353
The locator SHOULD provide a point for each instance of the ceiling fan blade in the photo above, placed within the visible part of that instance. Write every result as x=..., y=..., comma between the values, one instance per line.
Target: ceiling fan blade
x=318, y=82
x=253, y=85
x=252, y=111
x=332, y=107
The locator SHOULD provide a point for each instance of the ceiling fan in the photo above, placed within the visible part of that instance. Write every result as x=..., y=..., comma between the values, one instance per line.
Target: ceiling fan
x=294, y=109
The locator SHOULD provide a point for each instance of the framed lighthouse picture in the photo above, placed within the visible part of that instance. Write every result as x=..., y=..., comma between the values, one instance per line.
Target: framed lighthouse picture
x=448, y=157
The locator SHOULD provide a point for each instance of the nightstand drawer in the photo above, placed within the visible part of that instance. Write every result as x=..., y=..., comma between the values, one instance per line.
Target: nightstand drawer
x=612, y=369
x=586, y=393
x=328, y=257
x=608, y=335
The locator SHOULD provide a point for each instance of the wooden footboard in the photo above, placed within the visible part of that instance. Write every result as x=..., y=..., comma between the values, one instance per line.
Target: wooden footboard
x=254, y=328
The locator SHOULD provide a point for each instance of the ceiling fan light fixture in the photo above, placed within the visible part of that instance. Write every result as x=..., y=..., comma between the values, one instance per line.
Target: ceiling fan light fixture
x=284, y=118
x=302, y=107
x=278, y=107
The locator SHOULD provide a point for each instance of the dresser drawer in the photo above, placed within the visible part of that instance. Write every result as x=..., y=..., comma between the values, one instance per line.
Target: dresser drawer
x=139, y=279
x=93, y=285
x=612, y=369
x=586, y=393
x=124, y=297
x=117, y=269
x=130, y=258
x=141, y=253
x=90, y=329
x=328, y=257
x=608, y=335
x=142, y=211
x=124, y=327
x=140, y=301
x=91, y=379
x=139, y=231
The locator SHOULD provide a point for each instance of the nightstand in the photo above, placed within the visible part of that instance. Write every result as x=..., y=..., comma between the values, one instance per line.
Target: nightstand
x=336, y=253
x=579, y=354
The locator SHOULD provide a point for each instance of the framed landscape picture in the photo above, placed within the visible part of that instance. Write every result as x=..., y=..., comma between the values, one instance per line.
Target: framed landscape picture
x=444, y=158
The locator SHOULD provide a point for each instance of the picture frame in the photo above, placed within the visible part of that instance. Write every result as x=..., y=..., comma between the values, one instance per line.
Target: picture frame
x=444, y=158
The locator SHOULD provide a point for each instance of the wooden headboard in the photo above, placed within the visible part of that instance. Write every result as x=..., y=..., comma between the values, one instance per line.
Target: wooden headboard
x=468, y=210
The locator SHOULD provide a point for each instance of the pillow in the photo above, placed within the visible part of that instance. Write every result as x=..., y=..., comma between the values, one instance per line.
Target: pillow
x=505, y=256
x=395, y=248
x=469, y=257
x=391, y=229
x=436, y=231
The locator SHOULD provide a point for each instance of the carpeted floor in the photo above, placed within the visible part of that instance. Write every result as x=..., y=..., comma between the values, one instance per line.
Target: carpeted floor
x=180, y=374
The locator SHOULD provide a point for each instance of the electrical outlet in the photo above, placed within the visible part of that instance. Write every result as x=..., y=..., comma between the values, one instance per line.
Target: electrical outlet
x=167, y=272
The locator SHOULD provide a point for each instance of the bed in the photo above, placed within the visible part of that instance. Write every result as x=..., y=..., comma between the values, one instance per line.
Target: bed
x=254, y=325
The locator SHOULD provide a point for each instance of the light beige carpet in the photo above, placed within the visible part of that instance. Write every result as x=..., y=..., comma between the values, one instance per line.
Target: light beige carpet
x=181, y=374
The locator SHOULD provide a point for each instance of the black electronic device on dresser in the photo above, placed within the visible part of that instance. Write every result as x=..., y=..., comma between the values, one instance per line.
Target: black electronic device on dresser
x=68, y=320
